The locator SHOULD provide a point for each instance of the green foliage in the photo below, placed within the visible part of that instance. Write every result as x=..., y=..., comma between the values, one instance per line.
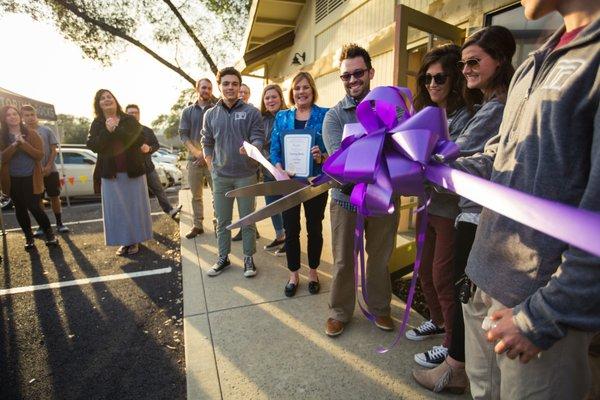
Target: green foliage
x=170, y=122
x=99, y=27
x=74, y=130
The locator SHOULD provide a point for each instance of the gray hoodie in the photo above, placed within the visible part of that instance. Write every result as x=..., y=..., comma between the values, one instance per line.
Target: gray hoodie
x=548, y=146
x=223, y=132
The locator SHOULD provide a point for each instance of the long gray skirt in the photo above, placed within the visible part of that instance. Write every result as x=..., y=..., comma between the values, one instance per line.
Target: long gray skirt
x=126, y=210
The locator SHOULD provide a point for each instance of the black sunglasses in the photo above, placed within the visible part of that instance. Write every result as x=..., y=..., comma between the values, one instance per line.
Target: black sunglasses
x=471, y=62
x=439, y=79
x=356, y=74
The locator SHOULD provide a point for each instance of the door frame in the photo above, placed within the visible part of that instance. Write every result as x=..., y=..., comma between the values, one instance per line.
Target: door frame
x=406, y=17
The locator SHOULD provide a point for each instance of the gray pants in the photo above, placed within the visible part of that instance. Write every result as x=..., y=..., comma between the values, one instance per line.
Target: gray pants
x=196, y=177
x=156, y=188
x=224, y=212
x=380, y=234
x=561, y=372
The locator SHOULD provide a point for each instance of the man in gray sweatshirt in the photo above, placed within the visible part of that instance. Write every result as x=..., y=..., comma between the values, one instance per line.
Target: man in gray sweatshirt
x=356, y=73
x=226, y=126
x=542, y=295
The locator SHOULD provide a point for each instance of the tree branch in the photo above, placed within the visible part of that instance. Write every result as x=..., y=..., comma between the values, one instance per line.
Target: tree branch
x=118, y=33
x=207, y=57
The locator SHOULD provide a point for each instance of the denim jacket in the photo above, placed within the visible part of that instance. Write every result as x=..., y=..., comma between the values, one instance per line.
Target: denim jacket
x=284, y=121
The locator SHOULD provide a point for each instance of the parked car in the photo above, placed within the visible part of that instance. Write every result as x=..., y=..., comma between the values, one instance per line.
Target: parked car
x=173, y=173
x=163, y=156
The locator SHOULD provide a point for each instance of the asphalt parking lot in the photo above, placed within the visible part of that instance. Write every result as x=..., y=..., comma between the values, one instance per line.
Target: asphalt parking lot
x=111, y=329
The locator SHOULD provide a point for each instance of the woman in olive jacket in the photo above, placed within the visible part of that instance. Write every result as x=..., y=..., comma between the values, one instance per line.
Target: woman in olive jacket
x=117, y=138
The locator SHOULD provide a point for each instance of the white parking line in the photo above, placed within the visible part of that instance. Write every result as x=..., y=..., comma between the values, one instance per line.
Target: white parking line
x=87, y=221
x=84, y=281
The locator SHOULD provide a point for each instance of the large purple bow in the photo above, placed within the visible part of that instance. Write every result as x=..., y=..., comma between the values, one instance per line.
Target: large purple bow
x=393, y=152
x=386, y=154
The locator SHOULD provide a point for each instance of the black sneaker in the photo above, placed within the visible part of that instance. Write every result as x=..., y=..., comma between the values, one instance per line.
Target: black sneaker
x=29, y=243
x=219, y=266
x=38, y=233
x=280, y=252
x=249, y=267
x=62, y=229
x=432, y=358
x=274, y=245
x=426, y=330
x=51, y=239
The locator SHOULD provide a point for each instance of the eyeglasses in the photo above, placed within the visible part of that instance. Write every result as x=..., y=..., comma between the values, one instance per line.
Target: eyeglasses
x=356, y=74
x=471, y=63
x=439, y=79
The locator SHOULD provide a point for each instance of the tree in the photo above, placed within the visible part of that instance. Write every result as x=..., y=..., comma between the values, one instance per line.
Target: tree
x=170, y=122
x=74, y=130
x=101, y=28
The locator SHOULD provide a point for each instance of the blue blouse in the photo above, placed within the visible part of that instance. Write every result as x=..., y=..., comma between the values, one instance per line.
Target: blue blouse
x=284, y=121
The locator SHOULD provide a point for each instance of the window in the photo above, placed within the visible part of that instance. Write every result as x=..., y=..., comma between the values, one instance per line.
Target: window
x=324, y=7
x=74, y=158
x=529, y=35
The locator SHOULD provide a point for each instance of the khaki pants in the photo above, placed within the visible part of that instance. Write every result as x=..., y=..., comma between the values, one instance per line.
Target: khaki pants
x=196, y=177
x=561, y=372
x=380, y=233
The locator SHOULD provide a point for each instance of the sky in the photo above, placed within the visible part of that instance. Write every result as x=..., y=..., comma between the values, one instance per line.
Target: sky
x=49, y=68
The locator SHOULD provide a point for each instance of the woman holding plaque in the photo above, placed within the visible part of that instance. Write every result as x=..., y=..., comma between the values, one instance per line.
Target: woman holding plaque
x=272, y=102
x=117, y=138
x=297, y=148
x=486, y=64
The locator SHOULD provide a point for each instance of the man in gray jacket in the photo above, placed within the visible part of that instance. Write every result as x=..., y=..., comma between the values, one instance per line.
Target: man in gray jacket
x=380, y=232
x=226, y=126
x=542, y=295
x=190, y=128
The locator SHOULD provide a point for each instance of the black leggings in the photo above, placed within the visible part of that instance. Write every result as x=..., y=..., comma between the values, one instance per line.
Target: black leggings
x=21, y=193
x=465, y=236
x=314, y=212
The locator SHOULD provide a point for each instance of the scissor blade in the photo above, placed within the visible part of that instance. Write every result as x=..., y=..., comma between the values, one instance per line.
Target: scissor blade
x=267, y=189
x=285, y=203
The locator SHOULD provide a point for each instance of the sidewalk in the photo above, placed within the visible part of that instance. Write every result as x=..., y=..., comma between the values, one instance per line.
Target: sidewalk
x=245, y=340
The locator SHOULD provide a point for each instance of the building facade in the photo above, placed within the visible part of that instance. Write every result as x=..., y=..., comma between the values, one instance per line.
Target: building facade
x=285, y=36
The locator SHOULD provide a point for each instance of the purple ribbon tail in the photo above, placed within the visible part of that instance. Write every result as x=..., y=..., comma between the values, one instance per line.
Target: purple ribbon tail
x=421, y=231
x=577, y=227
x=359, y=267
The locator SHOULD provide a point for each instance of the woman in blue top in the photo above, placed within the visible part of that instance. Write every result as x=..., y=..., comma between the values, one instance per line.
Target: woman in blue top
x=303, y=115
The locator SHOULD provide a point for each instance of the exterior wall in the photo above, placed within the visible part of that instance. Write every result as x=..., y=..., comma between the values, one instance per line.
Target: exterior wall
x=370, y=23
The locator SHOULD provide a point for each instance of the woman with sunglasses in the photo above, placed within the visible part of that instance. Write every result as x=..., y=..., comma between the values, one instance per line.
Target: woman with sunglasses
x=486, y=64
x=304, y=114
x=441, y=84
x=117, y=138
x=21, y=173
x=271, y=103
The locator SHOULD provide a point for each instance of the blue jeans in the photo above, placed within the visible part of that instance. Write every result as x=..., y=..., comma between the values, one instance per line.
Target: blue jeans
x=224, y=211
x=276, y=219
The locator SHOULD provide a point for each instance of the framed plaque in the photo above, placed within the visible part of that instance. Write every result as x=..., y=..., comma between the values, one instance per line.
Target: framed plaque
x=296, y=151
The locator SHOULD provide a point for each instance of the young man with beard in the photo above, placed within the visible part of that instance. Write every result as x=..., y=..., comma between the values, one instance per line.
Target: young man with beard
x=190, y=128
x=542, y=295
x=150, y=146
x=229, y=123
x=356, y=73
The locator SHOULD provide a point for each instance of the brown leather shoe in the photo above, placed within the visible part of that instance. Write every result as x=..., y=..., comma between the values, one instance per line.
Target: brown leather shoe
x=385, y=323
x=334, y=327
x=194, y=232
x=442, y=377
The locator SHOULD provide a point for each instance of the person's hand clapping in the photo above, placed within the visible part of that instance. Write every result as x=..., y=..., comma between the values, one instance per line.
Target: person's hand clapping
x=112, y=123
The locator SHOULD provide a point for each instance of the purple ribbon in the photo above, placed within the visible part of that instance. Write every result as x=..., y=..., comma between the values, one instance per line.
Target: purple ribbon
x=393, y=152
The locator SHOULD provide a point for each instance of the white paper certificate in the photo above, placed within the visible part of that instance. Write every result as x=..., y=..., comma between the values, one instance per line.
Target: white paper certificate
x=296, y=153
